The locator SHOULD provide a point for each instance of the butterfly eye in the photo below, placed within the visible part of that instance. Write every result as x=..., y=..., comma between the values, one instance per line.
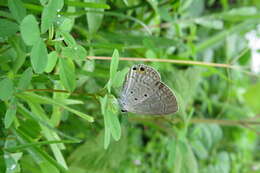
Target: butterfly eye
x=134, y=68
x=141, y=68
x=145, y=95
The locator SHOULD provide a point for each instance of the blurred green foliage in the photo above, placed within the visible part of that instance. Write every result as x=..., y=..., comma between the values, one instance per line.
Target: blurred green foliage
x=59, y=111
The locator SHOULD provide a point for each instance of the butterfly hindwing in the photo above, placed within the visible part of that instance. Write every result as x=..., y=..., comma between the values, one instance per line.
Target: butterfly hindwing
x=144, y=93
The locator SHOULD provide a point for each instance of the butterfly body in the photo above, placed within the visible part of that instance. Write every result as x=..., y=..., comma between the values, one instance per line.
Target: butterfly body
x=144, y=93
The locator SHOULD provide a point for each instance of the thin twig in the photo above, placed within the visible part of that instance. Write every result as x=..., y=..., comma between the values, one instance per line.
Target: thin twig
x=48, y=90
x=168, y=61
x=206, y=121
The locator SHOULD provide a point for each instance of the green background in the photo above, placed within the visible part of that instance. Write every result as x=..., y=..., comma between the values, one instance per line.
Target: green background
x=58, y=98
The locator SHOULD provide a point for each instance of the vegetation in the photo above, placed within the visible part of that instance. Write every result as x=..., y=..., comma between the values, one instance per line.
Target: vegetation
x=62, y=69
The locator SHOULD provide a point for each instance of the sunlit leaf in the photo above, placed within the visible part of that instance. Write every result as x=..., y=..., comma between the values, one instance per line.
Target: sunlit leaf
x=39, y=56
x=49, y=13
x=29, y=30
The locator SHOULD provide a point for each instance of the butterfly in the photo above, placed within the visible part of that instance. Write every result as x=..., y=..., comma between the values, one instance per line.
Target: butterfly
x=143, y=92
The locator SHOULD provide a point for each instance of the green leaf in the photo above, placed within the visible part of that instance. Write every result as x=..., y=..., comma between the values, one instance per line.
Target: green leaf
x=6, y=89
x=112, y=117
x=185, y=160
x=66, y=24
x=76, y=52
x=120, y=77
x=109, y=109
x=200, y=150
x=103, y=102
x=52, y=59
x=252, y=96
x=25, y=79
x=94, y=19
x=88, y=4
x=49, y=13
x=39, y=56
x=17, y=9
x=7, y=28
x=171, y=148
x=29, y=30
x=70, y=41
x=47, y=167
x=10, y=113
x=11, y=160
x=45, y=100
x=114, y=64
x=67, y=74
x=210, y=23
x=113, y=68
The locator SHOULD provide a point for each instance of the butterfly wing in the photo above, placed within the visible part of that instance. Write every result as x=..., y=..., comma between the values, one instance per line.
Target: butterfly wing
x=139, y=84
x=140, y=74
x=162, y=102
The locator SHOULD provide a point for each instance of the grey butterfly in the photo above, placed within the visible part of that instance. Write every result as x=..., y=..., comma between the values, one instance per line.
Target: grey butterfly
x=144, y=93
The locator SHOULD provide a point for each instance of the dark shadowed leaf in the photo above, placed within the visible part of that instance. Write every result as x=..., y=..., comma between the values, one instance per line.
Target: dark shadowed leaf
x=7, y=28
x=17, y=9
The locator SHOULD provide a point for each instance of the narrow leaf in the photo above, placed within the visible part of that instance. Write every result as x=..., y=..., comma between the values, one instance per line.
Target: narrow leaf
x=103, y=102
x=10, y=113
x=113, y=68
x=112, y=117
x=67, y=74
x=45, y=100
x=114, y=64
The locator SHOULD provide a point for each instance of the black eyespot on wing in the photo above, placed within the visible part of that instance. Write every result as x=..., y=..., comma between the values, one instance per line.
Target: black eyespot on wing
x=131, y=92
x=145, y=95
x=142, y=68
x=136, y=99
x=122, y=110
x=134, y=68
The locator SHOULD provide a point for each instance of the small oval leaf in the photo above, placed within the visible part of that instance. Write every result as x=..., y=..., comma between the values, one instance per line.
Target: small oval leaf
x=29, y=30
x=39, y=56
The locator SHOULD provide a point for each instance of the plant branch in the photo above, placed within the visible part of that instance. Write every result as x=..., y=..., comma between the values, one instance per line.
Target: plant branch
x=243, y=123
x=168, y=61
